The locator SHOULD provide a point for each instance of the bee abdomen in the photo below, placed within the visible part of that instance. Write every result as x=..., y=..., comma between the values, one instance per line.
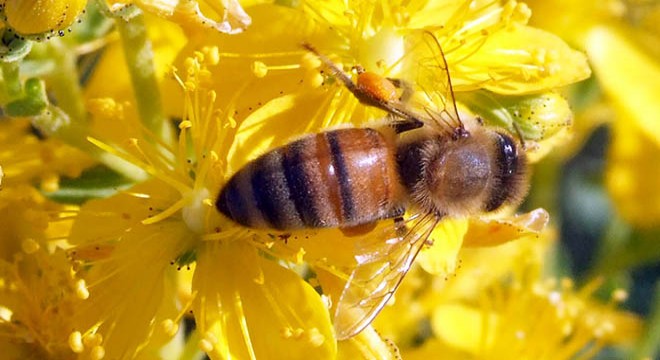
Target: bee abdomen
x=338, y=178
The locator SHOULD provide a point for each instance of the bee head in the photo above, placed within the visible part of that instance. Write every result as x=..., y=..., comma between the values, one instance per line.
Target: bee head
x=462, y=176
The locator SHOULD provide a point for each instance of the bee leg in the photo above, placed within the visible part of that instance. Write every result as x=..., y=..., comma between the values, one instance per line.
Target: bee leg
x=407, y=120
x=404, y=124
x=400, y=226
x=357, y=230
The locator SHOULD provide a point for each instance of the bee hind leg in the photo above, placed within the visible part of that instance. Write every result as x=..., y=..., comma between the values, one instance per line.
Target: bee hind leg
x=404, y=124
x=357, y=230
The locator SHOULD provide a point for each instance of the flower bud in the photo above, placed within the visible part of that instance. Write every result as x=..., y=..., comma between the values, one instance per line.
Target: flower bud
x=31, y=17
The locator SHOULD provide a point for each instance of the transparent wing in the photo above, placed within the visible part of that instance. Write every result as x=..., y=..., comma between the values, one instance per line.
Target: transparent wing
x=425, y=67
x=384, y=257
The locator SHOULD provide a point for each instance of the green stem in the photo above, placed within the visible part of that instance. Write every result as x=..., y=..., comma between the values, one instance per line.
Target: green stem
x=11, y=83
x=58, y=124
x=139, y=59
x=64, y=83
x=649, y=344
x=543, y=194
x=68, y=120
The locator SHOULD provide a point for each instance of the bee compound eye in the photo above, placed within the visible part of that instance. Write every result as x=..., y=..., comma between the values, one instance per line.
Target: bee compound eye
x=508, y=156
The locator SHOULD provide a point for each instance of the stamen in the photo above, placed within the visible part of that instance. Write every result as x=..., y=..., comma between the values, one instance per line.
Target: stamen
x=170, y=327
x=183, y=164
x=260, y=55
x=167, y=212
x=179, y=186
x=29, y=246
x=75, y=342
x=92, y=339
x=619, y=296
x=207, y=344
x=97, y=353
x=240, y=314
x=260, y=69
x=81, y=289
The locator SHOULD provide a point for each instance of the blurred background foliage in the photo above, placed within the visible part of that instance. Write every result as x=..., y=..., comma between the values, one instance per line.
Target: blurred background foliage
x=603, y=189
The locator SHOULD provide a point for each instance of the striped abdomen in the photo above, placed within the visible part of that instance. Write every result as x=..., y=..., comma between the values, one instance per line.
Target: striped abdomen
x=339, y=178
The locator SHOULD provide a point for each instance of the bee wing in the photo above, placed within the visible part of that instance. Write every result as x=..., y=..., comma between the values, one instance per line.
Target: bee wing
x=383, y=260
x=426, y=68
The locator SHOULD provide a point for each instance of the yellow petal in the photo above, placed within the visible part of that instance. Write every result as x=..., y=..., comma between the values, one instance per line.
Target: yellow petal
x=440, y=258
x=41, y=16
x=39, y=298
x=226, y=17
x=107, y=219
x=367, y=345
x=23, y=215
x=250, y=307
x=464, y=327
x=633, y=171
x=491, y=232
x=523, y=60
x=130, y=291
x=430, y=350
x=274, y=114
x=26, y=158
x=630, y=77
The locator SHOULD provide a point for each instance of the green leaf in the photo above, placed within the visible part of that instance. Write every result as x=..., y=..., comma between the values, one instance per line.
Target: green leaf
x=97, y=182
x=625, y=247
x=33, y=103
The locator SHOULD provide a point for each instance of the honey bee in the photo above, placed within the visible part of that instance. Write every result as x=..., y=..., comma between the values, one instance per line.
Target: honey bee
x=424, y=162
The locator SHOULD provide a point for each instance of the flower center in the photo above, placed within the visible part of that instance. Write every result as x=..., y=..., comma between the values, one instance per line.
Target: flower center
x=196, y=211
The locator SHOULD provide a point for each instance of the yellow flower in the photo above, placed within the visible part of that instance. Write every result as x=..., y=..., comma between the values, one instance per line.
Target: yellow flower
x=244, y=94
x=226, y=16
x=39, y=291
x=487, y=45
x=636, y=139
x=621, y=40
x=287, y=97
x=244, y=305
x=499, y=306
x=26, y=158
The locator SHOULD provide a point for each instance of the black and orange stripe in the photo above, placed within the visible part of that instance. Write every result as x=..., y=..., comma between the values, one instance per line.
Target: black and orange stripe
x=338, y=178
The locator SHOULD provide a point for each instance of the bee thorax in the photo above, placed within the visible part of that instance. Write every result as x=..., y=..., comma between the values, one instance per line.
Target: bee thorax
x=446, y=176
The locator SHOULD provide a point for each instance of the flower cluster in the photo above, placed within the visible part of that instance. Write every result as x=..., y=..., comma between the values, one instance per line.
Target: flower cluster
x=118, y=134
